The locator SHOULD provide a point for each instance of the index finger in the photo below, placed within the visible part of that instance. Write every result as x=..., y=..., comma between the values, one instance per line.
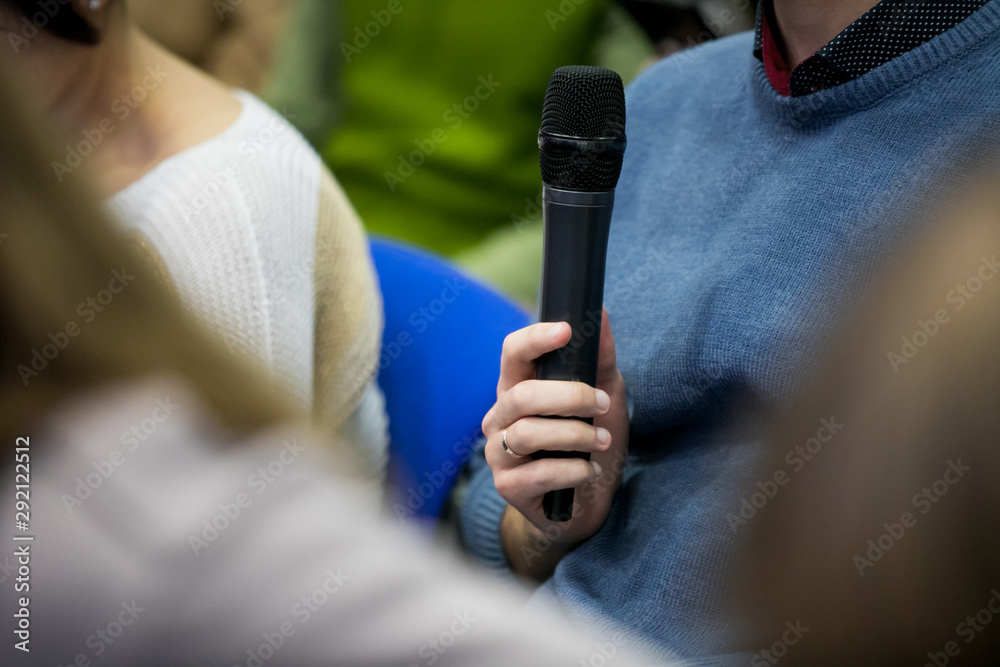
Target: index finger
x=524, y=346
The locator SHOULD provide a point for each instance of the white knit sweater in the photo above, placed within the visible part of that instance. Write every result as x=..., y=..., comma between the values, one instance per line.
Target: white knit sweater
x=234, y=220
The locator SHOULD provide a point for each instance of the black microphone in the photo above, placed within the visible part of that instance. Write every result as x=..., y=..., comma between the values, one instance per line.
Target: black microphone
x=582, y=142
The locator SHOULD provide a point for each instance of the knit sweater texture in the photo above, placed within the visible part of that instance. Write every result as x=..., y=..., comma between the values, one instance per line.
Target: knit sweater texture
x=743, y=219
x=261, y=243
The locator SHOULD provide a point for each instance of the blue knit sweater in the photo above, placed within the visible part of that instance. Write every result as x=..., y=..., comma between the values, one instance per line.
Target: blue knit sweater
x=742, y=217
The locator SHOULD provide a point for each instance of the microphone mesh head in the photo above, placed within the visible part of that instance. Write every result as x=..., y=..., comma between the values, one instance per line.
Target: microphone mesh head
x=585, y=103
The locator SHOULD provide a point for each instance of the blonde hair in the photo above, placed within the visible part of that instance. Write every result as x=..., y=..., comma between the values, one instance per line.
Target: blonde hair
x=79, y=306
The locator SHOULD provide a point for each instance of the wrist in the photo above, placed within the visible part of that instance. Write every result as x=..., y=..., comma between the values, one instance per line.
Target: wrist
x=529, y=551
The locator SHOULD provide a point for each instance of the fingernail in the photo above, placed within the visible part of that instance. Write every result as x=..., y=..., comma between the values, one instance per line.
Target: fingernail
x=603, y=400
x=597, y=468
x=603, y=435
x=555, y=330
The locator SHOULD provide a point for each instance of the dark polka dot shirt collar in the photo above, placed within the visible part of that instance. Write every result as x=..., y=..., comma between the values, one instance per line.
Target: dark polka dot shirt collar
x=889, y=29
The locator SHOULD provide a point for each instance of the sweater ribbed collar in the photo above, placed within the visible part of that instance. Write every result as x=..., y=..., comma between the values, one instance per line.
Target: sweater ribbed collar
x=960, y=42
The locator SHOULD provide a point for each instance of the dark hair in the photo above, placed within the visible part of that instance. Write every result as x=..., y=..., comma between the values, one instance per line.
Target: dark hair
x=64, y=22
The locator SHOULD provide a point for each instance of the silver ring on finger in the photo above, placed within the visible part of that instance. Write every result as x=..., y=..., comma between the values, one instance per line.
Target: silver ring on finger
x=506, y=447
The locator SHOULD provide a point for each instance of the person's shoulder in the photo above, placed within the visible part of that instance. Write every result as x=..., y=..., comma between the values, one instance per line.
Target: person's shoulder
x=260, y=158
x=700, y=70
x=264, y=136
x=259, y=146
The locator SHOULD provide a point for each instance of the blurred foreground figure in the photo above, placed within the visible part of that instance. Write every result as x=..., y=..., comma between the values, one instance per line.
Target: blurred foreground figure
x=173, y=511
x=879, y=541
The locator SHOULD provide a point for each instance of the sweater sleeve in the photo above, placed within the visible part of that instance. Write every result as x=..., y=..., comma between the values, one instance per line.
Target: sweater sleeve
x=348, y=327
x=480, y=514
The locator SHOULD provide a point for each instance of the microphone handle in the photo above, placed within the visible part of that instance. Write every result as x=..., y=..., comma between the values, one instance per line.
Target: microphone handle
x=575, y=254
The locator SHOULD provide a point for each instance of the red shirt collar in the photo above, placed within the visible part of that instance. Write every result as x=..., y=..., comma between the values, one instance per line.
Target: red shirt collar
x=778, y=72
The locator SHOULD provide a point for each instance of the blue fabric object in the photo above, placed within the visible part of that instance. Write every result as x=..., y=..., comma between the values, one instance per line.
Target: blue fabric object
x=743, y=219
x=440, y=351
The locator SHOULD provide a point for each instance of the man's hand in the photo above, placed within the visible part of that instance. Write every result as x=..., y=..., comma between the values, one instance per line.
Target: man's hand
x=532, y=543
